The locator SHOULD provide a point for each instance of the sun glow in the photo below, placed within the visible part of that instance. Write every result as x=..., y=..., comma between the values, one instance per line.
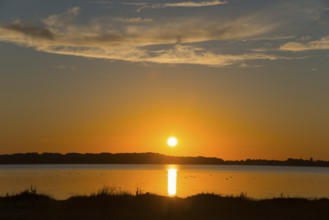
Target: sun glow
x=172, y=174
x=172, y=141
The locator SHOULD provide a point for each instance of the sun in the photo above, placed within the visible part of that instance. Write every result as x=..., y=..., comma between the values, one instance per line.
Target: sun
x=172, y=142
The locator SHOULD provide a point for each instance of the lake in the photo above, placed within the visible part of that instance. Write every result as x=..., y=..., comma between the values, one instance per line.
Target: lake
x=63, y=181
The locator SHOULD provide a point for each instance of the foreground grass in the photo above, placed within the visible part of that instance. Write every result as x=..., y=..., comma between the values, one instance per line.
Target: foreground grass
x=108, y=204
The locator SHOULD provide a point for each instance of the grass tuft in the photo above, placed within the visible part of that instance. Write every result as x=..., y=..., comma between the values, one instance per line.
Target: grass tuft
x=28, y=194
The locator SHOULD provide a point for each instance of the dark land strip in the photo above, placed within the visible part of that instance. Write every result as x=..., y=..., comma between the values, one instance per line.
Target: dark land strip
x=30, y=205
x=145, y=158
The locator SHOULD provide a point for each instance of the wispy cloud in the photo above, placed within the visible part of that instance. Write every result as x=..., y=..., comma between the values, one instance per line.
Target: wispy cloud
x=185, y=4
x=135, y=20
x=193, y=55
x=135, y=40
x=30, y=30
x=194, y=4
x=62, y=19
x=322, y=44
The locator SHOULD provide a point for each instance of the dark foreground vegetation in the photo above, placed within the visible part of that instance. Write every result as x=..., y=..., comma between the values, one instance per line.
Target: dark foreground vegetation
x=108, y=205
x=144, y=158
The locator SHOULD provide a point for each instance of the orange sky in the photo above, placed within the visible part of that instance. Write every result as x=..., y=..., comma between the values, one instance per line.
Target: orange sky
x=80, y=77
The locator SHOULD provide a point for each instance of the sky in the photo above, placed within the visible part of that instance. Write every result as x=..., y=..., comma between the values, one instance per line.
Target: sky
x=233, y=79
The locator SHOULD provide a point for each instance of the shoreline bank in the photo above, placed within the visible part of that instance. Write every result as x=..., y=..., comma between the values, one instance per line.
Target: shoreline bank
x=120, y=205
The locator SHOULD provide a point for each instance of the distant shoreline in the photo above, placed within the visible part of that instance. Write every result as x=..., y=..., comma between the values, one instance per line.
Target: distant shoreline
x=145, y=158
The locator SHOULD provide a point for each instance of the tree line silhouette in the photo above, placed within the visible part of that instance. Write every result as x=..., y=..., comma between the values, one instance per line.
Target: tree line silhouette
x=144, y=158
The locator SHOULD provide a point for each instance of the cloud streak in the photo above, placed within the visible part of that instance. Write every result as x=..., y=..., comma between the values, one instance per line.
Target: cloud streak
x=185, y=4
x=191, y=4
x=322, y=44
x=193, y=55
x=135, y=20
x=138, y=40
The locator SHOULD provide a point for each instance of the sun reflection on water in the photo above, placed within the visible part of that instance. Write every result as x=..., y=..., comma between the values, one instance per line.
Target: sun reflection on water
x=172, y=176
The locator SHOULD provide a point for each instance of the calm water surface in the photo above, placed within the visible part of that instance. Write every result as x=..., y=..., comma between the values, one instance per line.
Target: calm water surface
x=63, y=181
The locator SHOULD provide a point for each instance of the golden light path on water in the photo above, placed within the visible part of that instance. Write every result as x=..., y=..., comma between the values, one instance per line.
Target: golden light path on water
x=172, y=181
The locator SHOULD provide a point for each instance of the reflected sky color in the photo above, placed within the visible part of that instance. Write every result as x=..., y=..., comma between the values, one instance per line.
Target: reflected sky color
x=63, y=181
x=172, y=181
